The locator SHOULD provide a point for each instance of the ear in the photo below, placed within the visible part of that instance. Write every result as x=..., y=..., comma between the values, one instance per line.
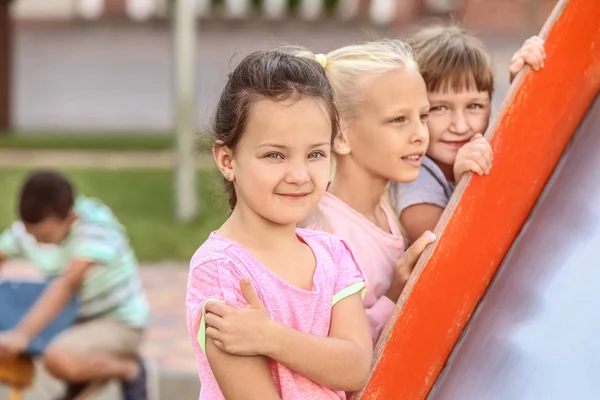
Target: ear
x=72, y=217
x=224, y=159
x=341, y=145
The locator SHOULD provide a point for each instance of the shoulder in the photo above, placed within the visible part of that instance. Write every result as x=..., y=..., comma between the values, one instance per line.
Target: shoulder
x=14, y=230
x=215, y=272
x=316, y=220
x=13, y=238
x=92, y=209
x=215, y=256
x=429, y=187
x=324, y=244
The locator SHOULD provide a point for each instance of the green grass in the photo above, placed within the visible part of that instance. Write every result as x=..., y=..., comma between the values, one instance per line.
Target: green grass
x=143, y=202
x=93, y=141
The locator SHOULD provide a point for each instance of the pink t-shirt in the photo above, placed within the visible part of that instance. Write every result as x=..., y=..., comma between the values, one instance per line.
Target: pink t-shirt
x=375, y=250
x=215, y=272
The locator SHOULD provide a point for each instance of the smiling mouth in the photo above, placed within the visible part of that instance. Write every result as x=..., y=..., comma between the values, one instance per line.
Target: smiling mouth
x=414, y=157
x=293, y=195
x=456, y=144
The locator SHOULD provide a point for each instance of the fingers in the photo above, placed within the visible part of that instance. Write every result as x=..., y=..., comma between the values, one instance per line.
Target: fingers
x=534, y=42
x=480, y=150
x=213, y=320
x=532, y=53
x=218, y=308
x=214, y=334
x=249, y=293
x=476, y=136
x=219, y=345
x=516, y=67
x=6, y=354
x=412, y=254
x=533, y=57
x=475, y=167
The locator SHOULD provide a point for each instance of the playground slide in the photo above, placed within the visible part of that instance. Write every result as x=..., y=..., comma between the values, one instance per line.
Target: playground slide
x=535, y=333
x=539, y=312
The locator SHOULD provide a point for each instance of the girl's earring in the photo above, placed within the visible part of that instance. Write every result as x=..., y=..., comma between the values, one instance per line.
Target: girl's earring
x=228, y=176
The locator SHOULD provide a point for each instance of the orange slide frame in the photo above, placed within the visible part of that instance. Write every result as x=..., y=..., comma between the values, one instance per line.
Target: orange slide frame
x=529, y=135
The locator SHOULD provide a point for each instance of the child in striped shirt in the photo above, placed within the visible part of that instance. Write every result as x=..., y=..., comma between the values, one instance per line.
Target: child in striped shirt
x=83, y=250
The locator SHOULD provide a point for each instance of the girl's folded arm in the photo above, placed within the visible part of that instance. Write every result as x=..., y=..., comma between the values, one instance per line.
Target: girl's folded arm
x=241, y=377
x=340, y=361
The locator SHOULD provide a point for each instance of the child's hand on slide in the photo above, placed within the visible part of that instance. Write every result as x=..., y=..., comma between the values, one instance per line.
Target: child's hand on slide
x=405, y=265
x=475, y=156
x=239, y=331
x=532, y=53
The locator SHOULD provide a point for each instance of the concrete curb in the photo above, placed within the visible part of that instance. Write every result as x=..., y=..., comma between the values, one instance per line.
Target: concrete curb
x=102, y=159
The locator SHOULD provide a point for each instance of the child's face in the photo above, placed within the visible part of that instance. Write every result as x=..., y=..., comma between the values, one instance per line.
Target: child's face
x=282, y=162
x=454, y=118
x=51, y=230
x=388, y=136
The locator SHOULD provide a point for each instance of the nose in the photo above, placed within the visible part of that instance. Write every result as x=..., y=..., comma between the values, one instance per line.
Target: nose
x=297, y=172
x=459, y=125
x=421, y=133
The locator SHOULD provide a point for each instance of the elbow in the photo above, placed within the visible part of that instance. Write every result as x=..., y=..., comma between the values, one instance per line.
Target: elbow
x=361, y=380
x=359, y=377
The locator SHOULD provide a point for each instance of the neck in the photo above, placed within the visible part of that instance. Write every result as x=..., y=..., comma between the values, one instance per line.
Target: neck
x=254, y=232
x=357, y=187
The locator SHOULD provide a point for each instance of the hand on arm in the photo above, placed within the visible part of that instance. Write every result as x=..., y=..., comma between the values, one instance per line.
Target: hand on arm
x=48, y=306
x=339, y=362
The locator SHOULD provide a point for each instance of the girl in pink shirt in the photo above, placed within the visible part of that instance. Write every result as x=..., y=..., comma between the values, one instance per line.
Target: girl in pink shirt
x=298, y=290
x=383, y=107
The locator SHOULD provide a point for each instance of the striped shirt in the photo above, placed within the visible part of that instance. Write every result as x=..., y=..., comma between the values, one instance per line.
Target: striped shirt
x=112, y=287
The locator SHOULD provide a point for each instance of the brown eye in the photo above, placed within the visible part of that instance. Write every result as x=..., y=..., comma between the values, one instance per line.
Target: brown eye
x=475, y=106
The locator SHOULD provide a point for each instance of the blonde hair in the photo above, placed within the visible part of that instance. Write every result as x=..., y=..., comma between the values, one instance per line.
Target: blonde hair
x=451, y=58
x=351, y=67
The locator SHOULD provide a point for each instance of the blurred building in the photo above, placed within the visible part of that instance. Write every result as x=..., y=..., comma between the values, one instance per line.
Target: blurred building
x=489, y=15
x=98, y=65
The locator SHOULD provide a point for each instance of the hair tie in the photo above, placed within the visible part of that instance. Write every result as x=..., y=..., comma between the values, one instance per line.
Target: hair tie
x=321, y=59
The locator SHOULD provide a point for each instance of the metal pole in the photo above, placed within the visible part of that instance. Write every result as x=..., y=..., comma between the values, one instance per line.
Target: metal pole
x=5, y=64
x=185, y=55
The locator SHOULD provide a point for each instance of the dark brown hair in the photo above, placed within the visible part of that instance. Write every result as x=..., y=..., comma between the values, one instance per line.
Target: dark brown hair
x=272, y=75
x=45, y=194
x=449, y=57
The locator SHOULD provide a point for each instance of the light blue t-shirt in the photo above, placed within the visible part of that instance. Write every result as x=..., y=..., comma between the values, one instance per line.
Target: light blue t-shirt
x=112, y=287
x=431, y=187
